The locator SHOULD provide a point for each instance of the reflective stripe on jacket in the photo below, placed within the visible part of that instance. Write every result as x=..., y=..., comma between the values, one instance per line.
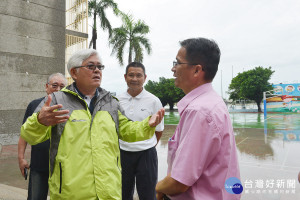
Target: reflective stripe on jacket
x=84, y=152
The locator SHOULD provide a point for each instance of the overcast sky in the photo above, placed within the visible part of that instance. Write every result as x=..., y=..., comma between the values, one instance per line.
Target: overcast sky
x=250, y=33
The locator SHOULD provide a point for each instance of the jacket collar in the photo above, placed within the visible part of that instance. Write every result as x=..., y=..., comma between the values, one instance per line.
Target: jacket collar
x=72, y=89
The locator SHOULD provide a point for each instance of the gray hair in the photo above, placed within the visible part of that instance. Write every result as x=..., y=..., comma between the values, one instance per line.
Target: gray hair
x=57, y=74
x=78, y=57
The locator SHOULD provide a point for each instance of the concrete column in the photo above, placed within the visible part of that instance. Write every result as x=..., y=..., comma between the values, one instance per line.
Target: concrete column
x=32, y=46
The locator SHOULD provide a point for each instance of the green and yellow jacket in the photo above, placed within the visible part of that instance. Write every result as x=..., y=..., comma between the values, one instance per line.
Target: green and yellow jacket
x=84, y=151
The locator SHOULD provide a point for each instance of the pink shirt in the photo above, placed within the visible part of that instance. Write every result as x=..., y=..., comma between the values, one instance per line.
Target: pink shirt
x=202, y=152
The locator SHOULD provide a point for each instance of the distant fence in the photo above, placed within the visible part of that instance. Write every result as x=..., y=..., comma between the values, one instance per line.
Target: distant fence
x=242, y=105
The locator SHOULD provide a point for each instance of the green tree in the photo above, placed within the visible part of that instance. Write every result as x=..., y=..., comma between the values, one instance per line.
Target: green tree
x=98, y=8
x=165, y=90
x=251, y=84
x=133, y=33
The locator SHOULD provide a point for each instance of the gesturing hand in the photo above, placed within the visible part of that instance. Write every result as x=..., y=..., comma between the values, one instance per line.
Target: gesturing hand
x=50, y=115
x=156, y=118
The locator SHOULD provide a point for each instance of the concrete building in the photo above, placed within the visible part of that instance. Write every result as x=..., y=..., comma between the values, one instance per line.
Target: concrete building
x=32, y=46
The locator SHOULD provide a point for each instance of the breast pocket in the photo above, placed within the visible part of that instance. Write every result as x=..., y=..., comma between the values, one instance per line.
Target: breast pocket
x=172, y=148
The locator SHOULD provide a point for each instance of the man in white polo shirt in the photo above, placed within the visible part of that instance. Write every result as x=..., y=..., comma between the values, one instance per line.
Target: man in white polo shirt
x=139, y=159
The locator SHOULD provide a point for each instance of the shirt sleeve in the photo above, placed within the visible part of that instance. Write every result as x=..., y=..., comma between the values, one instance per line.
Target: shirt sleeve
x=198, y=144
x=28, y=112
x=133, y=131
x=33, y=132
x=31, y=108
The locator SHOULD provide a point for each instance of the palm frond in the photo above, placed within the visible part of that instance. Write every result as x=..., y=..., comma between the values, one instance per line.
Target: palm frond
x=133, y=34
x=99, y=9
x=146, y=43
x=120, y=54
x=141, y=28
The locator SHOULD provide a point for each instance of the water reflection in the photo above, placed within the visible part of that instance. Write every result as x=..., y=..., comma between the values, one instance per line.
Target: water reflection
x=254, y=134
x=267, y=149
x=252, y=143
x=171, y=117
x=274, y=121
x=288, y=135
x=285, y=121
x=266, y=130
x=255, y=142
x=259, y=117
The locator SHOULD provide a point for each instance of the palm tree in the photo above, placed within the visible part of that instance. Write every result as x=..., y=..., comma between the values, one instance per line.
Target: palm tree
x=133, y=33
x=97, y=8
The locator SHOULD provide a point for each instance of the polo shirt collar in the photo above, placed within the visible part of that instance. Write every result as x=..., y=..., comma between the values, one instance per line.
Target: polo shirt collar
x=188, y=98
x=140, y=95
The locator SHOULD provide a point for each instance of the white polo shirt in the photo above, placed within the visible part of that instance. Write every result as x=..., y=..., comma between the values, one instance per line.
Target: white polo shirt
x=137, y=109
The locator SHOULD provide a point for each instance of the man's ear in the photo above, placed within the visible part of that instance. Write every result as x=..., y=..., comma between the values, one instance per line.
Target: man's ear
x=46, y=86
x=198, y=69
x=73, y=73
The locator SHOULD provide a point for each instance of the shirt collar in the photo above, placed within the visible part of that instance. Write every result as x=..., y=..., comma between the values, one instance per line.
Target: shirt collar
x=82, y=95
x=140, y=95
x=188, y=98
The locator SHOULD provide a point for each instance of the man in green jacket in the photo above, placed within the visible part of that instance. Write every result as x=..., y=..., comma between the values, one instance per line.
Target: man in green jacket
x=84, y=123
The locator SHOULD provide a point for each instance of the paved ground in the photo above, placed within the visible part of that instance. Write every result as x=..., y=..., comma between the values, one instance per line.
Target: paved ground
x=9, y=167
x=12, y=193
x=12, y=184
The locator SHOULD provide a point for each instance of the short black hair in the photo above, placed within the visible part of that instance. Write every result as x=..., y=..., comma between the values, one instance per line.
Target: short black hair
x=204, y=52
x=136, y=64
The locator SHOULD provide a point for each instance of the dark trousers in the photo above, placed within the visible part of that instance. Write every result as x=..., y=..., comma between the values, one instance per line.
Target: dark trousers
x=141, y=167
x=38, y=185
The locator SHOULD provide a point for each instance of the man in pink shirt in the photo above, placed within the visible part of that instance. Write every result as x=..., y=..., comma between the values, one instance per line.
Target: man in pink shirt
x=202, y=152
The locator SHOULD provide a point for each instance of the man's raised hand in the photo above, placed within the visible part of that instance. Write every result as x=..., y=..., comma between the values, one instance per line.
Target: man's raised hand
x=156, y=118
x=50, y=115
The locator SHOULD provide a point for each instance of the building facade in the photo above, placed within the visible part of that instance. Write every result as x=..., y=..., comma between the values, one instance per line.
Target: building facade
x=32, y=46
x=76, y=28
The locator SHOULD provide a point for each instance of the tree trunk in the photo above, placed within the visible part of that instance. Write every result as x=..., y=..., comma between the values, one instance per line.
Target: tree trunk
x=258, y=106
x=94, y=37
x=171, y=106
x=130, y=52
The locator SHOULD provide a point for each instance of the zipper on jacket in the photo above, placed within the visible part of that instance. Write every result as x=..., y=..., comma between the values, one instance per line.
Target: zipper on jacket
x=60, y=178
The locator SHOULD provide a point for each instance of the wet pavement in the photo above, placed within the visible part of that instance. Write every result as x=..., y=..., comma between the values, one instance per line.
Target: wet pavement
x=9, y=168
x=268, y=153
x=12, y=184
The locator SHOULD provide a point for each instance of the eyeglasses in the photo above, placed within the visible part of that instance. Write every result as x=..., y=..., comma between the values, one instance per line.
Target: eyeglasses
x=93, y=67
x=178, y=63
x=55, y=85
